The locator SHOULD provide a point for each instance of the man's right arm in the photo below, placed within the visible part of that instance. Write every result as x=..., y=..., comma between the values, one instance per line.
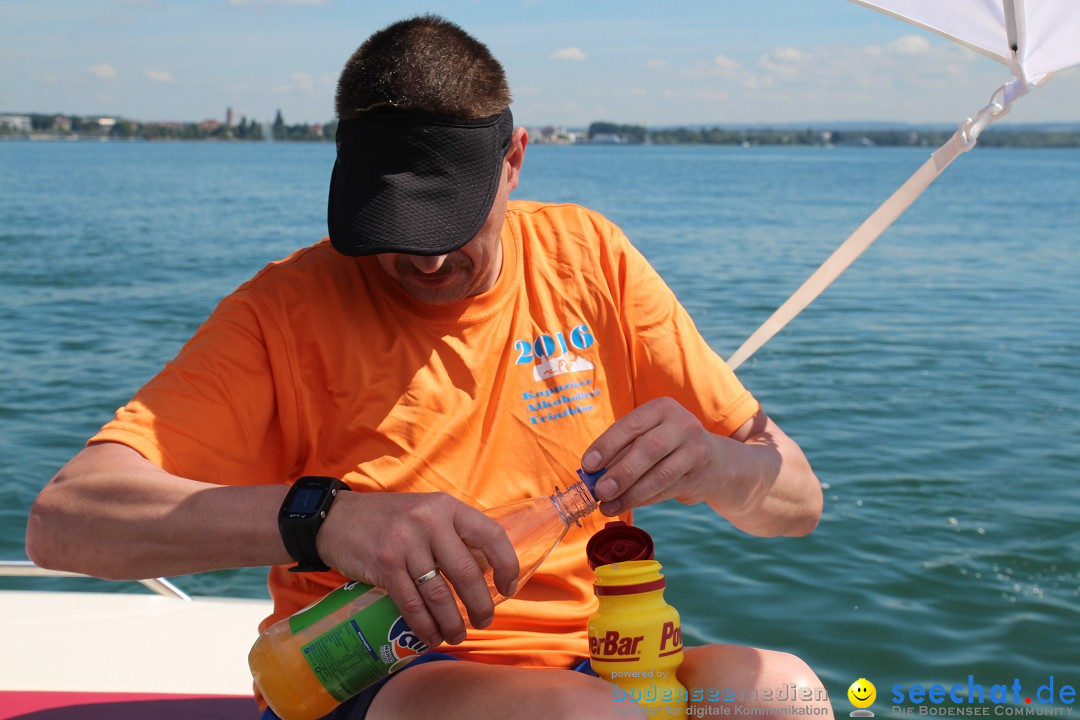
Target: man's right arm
x=111, y=513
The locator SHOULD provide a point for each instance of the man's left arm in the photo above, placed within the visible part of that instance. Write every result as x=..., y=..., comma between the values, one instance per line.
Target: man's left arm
x=758, y=478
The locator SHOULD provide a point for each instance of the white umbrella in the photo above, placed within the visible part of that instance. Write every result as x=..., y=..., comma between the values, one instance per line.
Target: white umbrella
x=1034, y=38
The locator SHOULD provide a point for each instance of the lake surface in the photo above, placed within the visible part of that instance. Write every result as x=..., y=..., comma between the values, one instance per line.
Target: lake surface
x=934, y=387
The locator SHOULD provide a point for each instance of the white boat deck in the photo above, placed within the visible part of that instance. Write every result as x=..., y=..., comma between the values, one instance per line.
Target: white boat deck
x=138, y=648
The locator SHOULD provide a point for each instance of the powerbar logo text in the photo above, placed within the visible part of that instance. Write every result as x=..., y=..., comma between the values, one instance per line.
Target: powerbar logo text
x=613, y=646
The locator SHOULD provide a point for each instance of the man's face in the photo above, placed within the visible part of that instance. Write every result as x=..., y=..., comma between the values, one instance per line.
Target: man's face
x=474, y=268
x=446, y=279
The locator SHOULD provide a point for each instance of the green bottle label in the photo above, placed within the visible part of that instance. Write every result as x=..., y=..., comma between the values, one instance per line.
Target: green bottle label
x=330, y=603
x=366, y=647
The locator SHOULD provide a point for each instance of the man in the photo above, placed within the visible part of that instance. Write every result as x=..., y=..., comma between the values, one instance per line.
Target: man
x=444, y=350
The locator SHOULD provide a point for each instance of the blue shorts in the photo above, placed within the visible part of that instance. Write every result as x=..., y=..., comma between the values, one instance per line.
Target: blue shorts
x=356, y=708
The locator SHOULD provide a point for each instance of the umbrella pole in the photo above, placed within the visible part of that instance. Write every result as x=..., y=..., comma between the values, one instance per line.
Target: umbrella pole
x=961, y=141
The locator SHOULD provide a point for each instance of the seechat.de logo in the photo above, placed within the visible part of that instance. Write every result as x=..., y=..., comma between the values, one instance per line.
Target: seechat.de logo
x=862, y=694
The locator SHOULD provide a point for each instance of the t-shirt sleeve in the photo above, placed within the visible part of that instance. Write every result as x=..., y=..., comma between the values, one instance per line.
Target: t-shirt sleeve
x=212, y=413
x=669, y=357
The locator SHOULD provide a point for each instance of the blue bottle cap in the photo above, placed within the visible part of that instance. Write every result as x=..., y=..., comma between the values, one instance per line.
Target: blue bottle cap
x=590, y=480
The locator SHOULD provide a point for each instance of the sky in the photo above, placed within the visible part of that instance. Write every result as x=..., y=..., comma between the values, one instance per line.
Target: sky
x=569, y=62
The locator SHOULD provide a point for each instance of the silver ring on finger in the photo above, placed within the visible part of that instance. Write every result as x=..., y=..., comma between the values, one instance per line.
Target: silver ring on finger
x=429, y=575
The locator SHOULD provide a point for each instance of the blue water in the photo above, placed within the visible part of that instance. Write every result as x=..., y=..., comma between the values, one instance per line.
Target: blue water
x=934, y=386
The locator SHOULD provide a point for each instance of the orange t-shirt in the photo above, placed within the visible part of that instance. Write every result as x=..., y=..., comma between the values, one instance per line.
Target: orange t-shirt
x=322, y=365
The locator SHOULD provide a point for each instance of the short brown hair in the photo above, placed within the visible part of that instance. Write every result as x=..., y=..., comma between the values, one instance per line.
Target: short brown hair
x=423, y=64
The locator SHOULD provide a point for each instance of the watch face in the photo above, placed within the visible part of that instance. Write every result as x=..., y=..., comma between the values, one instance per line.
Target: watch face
x=304, y=501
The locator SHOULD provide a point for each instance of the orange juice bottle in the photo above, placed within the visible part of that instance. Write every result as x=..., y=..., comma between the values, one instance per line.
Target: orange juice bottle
x=307, y=664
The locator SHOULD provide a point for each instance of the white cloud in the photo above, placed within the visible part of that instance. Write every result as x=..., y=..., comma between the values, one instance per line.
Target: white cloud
x=723, y=62
x=910, y=45
x=656, y=65
x=896, y=81
x=303, y=82
x=785, y=61
x=572, y=53
x=306, y=84
x=160, y=76
x=102, y=71
x=259, y=3
x=871, y=81
x=911, y=79
x=758, y=82
x=114, y=20
x=720, y=66
x=712, y=95
x=790, y=55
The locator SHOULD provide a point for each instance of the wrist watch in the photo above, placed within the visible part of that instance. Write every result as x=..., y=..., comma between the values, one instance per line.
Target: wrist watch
x=302, y=514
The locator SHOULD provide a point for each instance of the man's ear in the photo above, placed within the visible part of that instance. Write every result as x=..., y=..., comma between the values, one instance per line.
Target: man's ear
x=515, y=156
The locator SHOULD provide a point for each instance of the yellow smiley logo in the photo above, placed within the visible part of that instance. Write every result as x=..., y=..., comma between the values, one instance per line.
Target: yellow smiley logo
x=862, y=693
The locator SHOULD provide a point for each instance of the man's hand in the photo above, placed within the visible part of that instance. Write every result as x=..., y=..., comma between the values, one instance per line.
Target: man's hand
x=391, y=539
x=657, y=451
x=759, y=478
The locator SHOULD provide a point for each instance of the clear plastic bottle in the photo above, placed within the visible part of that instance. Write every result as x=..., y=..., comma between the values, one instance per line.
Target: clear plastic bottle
x=307, y=664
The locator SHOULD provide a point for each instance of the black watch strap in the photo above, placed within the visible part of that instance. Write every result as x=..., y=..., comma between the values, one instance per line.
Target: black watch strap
x=302, y=514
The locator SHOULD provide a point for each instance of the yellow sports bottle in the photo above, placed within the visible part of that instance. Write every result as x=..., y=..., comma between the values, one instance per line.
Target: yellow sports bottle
x=635, y=638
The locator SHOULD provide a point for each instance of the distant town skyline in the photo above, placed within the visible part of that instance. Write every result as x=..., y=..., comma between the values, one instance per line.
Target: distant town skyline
x=569, y=64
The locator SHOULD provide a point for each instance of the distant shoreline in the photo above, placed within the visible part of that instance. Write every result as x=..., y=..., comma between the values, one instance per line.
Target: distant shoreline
x=59, y=127
x=986, y=140
x=617, y=134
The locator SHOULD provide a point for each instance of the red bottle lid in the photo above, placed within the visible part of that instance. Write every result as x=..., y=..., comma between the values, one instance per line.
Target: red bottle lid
x=619, y=542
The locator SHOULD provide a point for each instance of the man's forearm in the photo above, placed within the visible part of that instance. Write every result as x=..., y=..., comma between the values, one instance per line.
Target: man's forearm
x=769, y=487
x=111, y=513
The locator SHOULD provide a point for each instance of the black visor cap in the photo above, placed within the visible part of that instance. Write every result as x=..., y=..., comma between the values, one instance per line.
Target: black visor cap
x=414, y=183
